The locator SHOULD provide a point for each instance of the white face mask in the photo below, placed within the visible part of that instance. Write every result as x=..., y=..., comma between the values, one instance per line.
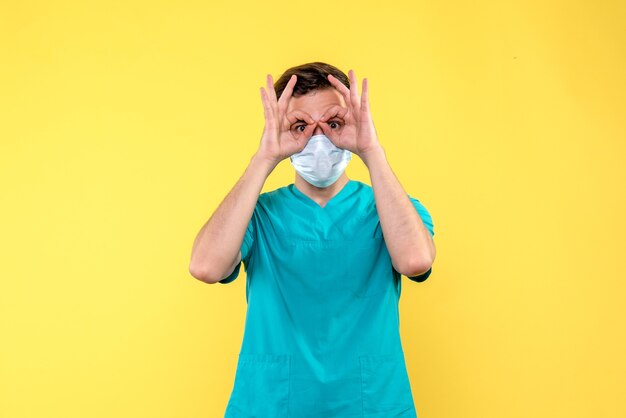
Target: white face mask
x=321, y=163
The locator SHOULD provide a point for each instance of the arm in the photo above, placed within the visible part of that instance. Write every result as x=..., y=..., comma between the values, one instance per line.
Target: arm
x=216, y=249
x=410, y=245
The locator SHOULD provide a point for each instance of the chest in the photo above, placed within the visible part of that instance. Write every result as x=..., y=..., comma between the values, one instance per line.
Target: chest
x=320, y=253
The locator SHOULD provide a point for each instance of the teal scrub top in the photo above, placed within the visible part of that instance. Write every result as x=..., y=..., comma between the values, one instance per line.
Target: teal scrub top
x=321, y=335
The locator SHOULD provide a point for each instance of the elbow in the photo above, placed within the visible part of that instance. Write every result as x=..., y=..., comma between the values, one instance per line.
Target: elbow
x=416, y=267
x=203, y=274
x=212, y=270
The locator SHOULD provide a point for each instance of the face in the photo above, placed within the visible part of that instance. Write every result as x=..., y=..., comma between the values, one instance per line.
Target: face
x=315, y=103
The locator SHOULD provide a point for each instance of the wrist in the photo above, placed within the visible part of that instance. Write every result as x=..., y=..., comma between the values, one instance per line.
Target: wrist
x=264, y=162
x=373, y=154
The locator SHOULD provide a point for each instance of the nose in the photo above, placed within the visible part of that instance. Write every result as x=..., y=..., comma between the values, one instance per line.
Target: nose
x=318, y=130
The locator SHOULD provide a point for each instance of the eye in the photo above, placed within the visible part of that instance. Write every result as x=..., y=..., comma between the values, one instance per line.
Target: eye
x=336, y=124
x=300, y=126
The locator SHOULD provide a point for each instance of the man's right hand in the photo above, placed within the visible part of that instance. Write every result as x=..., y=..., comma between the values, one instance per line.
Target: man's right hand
x=281, y=139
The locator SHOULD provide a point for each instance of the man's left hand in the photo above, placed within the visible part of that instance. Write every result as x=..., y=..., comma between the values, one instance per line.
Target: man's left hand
x=356, y=133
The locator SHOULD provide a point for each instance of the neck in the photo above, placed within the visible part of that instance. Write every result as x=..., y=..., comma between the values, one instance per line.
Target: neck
x=318, y=194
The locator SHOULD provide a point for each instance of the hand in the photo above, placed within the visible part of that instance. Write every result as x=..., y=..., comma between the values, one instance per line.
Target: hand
x=357, y=134
x=279, y=140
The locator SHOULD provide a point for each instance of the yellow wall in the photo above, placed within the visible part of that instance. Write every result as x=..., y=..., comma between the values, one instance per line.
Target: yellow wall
x=124, y=124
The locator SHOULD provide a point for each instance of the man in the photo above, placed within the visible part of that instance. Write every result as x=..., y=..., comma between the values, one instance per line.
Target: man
x=323, y=256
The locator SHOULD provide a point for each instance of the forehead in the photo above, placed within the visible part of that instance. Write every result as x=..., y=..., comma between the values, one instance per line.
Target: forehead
x=316, y=102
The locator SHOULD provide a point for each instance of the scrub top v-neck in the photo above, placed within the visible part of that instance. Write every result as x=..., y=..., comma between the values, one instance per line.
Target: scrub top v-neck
x=321, y=335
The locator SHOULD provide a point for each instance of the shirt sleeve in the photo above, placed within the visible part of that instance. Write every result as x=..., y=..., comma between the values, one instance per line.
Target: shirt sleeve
x=246, y=251
x=428, y=223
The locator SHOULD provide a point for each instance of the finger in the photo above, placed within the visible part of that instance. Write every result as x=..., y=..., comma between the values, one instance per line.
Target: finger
x=354, y=89
x=341, y=87
x=296, y=115
x=334, y=111
x=303, y=138
x=365, y=104
x=327, y=131
x=270, y=88
x=267, y=109
x=330, y=134
x=286, y=94
x=308, y=131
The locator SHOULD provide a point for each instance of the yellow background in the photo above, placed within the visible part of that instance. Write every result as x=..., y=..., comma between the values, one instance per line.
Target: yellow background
x=124, y=124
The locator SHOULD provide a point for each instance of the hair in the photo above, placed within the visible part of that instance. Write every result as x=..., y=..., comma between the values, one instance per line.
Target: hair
x=310, y=76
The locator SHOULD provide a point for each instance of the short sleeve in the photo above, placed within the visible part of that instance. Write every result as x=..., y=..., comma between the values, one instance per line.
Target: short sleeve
x=246, y=251
x=424, y=214
x=428, y=223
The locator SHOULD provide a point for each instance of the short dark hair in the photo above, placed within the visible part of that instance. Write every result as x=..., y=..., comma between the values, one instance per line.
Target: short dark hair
x=311, y=76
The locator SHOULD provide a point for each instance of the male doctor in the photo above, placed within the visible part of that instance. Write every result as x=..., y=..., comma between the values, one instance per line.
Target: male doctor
x=324, y=257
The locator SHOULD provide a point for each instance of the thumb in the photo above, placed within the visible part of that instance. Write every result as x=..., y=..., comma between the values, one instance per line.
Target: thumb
x=330, y=133
x=302, y=140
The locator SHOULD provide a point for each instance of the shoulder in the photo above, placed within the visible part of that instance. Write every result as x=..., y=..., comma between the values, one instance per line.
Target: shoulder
x=271, y=200
x=363, y=188
x=364, y=193
x=274, y=195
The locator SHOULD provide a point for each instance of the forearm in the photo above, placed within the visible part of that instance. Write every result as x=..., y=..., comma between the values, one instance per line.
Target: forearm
x=409, y=243
x=218, y=243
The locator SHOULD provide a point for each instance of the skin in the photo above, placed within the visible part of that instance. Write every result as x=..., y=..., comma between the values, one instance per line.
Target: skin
x=344, y=117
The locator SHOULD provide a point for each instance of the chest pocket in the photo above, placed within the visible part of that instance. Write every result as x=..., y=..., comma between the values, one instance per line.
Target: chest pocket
x=358, y=268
